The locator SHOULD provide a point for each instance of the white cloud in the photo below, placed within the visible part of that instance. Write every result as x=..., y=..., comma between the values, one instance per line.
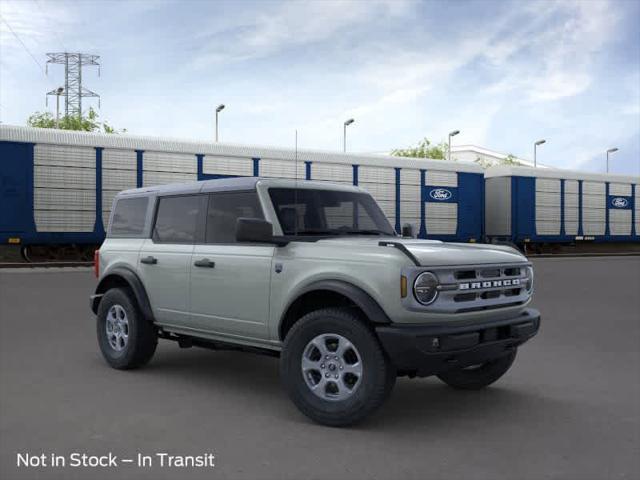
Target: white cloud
x=290, y=24
x=540, y=57
x=36, y=24
x=561, y=44
x=403, y=69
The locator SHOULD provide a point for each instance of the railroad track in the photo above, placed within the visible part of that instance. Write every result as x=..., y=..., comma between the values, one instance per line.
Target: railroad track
x=56, y=264
x=578, y=255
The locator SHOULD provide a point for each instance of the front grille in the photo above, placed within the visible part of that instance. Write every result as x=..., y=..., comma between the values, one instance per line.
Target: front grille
x=482, y=287
x=484, y=284
x=465, y=274
x=492, y=273
x=465, y=297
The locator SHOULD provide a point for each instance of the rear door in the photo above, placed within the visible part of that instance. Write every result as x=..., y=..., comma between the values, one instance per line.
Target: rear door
x=230, y=281
x=164, y=260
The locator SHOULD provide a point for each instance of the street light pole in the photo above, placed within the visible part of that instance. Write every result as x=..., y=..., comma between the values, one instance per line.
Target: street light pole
x=344, y=133
x=219, y=108
x=535, y=146
x=611, y=150
x=451, y=134
x=59, y=91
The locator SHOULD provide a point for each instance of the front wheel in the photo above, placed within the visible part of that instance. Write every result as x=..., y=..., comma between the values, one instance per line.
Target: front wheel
x=334, y=368
x=479, y=376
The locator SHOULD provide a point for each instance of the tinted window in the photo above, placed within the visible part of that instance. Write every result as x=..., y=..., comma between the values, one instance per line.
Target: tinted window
x=328, y=212
x=129, y=216
x=177, y=219
x=225, y=209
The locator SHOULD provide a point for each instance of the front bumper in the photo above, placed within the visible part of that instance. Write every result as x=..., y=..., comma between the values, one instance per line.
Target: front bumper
x=425, y=350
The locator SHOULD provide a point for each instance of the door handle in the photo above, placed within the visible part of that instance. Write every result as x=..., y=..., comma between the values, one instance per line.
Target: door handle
x=205, y=262
x=149, y=260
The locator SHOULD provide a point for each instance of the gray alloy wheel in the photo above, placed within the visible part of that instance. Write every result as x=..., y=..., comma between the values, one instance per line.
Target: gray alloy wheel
x=332, y=367
x=117, y=328
x=329, y=343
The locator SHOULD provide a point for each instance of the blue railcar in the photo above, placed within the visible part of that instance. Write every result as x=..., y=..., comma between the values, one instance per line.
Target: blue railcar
x=544, y=205
x=57, y=187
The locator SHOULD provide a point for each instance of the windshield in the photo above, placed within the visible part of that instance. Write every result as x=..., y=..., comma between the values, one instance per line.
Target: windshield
x=328, y=212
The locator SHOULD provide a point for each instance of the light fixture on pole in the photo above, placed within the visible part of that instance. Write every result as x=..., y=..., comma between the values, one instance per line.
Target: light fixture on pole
x=219, y=108
x=344, y=133
x=451, y=134
x=611, y=150
x=59, y=91
x=535, y=147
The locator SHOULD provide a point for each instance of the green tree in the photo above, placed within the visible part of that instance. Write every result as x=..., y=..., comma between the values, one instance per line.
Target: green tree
x=88, y=123
x=508, y=160
x=424, y=149
x=483, y=162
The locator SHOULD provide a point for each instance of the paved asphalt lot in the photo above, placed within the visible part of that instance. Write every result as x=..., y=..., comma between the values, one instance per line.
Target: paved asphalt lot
x=569, y=408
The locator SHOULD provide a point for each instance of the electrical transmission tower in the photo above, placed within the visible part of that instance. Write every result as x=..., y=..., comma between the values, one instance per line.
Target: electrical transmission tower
x=73, y=91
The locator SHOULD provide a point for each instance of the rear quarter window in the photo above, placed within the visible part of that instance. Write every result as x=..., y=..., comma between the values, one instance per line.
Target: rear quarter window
x=129, y=217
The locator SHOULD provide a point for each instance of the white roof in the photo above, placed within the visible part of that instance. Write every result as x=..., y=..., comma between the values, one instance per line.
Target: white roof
x=492, y=153
x=512, y=171
x=478, y=149
x=238, y=183
x=12, y=133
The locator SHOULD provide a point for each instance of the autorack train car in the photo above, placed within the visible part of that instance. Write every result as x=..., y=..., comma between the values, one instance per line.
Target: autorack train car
x=551, y=206
x=57, y=187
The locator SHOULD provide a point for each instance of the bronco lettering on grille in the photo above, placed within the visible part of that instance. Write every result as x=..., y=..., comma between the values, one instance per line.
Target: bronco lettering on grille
x=489, y=284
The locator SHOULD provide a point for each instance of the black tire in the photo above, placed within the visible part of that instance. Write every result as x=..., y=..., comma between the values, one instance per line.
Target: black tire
x=480, y=376
x=142, y=336
x=378, y=375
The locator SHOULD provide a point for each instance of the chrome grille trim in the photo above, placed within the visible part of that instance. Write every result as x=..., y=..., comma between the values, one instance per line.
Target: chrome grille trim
x=474, y=287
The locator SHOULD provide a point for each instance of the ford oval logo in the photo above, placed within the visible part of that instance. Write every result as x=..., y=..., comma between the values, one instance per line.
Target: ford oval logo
x=440, y=194
x=619, y=202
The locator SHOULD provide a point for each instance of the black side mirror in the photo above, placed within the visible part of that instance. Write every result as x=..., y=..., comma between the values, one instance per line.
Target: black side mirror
x=254, y=230
x=407, y=230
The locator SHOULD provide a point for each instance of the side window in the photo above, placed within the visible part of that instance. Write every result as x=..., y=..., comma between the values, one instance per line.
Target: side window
x=225, y=209
x=129, y=217
x=177, y=219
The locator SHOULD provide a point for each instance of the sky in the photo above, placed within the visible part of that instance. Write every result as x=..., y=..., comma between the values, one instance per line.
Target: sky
x=503, y=73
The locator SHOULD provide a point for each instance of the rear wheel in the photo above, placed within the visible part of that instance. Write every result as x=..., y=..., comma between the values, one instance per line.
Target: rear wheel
x=334, y=368
x=479, y=376
x=126, y=339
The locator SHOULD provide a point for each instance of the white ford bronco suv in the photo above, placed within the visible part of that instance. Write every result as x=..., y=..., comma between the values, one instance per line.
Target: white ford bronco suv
x=311, y=272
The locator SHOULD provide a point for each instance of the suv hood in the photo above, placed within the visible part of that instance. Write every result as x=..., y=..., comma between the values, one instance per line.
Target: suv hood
x=437, y=253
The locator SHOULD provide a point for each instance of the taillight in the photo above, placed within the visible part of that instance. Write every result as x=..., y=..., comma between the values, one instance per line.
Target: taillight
x=96, y=263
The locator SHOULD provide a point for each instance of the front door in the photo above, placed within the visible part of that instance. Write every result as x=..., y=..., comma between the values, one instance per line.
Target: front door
x=230, y=281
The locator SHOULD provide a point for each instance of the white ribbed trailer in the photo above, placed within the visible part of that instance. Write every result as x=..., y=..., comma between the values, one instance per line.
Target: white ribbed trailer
x=547, y=205
x=59, y=185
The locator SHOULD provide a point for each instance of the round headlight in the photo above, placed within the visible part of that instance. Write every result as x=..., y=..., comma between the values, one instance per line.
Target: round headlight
x=425, y=288
x=529, y=284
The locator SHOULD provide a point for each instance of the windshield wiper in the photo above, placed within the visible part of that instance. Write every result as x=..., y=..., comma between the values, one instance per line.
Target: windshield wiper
x=312, y=232
x=338, y=231
x=365, y=232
